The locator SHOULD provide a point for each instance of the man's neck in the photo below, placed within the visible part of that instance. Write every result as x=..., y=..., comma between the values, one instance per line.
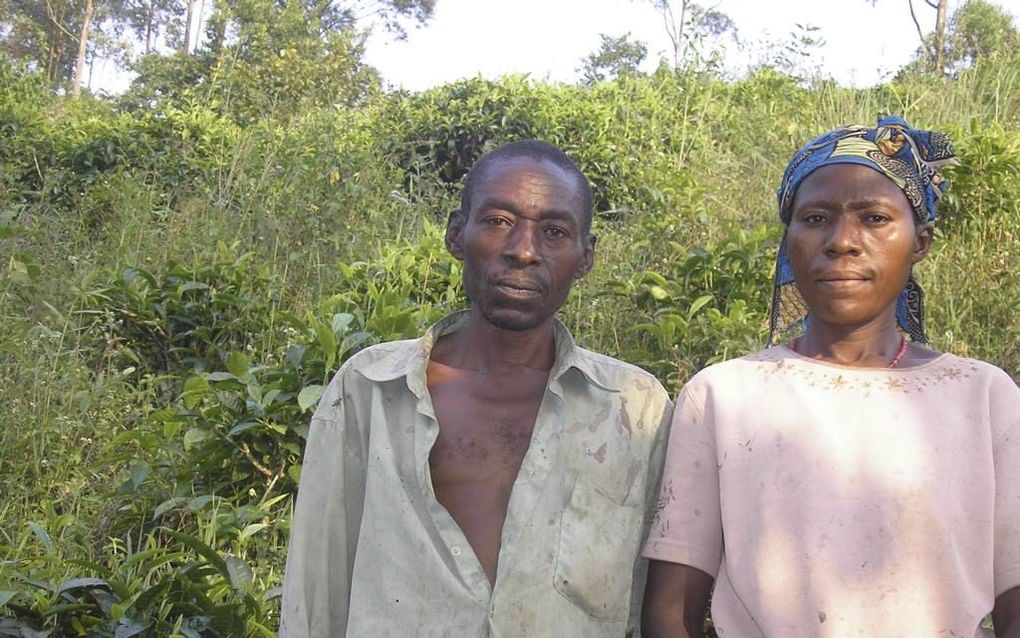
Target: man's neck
x=480, y=345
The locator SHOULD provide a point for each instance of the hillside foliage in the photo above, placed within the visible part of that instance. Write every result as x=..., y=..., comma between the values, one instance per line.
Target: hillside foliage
x=181, y=278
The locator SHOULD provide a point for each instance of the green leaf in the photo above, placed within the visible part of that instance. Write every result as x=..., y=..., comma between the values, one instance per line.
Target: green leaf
x=295, y=354
x=140, y=471
x=203, y=550
x=342, y=323
x=325, y=337
x=167, y=505
x=658, y=293
x=220, y=376
x=6, y=596
x=42, y=535
x=242, y=427
x=238, y=364
x=239, y=574
x=129, y=627
x=253, y=529
x=698, y=304
x=83, y=583
x=195, y=389
x=195, y=436
x=309, y=396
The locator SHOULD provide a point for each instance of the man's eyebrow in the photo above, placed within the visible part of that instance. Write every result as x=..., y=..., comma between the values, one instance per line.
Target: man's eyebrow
x=490, y=203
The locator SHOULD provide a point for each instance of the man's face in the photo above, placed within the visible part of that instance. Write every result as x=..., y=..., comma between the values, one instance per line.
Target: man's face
x=852, y=240
x=523, y=243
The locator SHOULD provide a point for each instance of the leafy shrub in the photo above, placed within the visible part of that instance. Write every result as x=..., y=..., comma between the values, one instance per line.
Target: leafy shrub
x=700, y=306
x=980, y=185
x=187, y=318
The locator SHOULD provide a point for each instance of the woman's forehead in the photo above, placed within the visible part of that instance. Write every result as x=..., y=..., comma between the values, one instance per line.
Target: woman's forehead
x=849, y=183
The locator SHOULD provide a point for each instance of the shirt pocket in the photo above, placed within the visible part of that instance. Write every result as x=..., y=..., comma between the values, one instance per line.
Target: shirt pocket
x=596, y=553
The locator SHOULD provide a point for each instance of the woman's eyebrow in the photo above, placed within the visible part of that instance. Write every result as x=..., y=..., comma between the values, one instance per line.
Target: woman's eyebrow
x=853, y=203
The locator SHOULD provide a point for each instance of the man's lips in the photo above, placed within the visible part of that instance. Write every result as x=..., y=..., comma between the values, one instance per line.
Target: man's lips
x=518, y=289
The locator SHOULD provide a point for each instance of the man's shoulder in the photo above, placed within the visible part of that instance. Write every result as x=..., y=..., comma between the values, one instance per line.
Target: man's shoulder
x=611, y=372
x=382, y=361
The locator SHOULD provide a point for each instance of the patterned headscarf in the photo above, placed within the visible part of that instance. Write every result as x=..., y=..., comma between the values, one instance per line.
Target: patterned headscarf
x=909, y=158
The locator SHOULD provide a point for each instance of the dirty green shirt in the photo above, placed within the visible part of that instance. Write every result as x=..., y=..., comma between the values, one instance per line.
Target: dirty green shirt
x=373, y=553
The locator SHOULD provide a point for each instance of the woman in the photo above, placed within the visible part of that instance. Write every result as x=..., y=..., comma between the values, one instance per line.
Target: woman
x=851, y=481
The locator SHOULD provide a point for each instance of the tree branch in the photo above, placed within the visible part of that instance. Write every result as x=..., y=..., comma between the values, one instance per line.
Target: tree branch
x=920, y=33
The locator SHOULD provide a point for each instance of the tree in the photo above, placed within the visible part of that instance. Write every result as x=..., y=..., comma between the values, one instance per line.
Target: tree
x=979, y=30
x=59, y=37
x=83, y=40
x=688, y=24
x=933, y=48
x=615, y=57
x=272, y=57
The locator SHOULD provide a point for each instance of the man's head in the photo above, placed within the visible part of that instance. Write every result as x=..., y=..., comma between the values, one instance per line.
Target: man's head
x=536, y=150
x=523, y=233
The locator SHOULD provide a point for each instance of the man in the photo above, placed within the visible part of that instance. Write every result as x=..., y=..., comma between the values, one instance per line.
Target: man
x=490, y=478
x=849, y=482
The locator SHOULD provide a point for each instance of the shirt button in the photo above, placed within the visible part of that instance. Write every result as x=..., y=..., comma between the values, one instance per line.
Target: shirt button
x=455, y=551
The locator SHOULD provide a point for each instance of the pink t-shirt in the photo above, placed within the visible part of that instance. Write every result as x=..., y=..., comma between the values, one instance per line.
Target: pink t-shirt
x=835, y=501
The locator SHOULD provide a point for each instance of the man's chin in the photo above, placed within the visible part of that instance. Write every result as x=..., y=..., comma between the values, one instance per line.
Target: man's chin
x=513, y=320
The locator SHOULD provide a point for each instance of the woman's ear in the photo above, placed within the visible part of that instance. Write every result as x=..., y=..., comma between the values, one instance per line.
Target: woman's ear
x=454, y=230
x=924, y=235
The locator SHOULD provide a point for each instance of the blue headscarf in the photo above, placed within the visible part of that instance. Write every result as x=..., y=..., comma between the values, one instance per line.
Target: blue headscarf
x=909, y=158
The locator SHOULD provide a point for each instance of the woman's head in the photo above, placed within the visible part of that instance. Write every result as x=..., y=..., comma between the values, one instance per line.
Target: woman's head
x=858, y=205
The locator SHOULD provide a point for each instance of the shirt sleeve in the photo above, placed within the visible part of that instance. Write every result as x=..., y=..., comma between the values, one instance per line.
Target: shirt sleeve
x=687, y=522
x=1007, y=510
x=327, y=516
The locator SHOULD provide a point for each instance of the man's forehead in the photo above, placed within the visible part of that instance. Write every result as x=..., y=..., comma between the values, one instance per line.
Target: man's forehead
x=541, y=175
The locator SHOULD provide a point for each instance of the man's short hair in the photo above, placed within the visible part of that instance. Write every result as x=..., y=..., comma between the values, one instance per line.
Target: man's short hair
x=536, y=150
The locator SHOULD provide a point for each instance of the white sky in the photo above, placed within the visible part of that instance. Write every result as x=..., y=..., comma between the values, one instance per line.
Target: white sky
x=547, y=38
x=864, y=45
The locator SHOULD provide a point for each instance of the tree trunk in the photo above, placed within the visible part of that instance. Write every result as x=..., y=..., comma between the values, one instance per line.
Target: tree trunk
x=148, y=30
x=940, y=37
x=198, y=22
x=682, y=52
x=79, y=65
x=56, y=37
x=186, y=47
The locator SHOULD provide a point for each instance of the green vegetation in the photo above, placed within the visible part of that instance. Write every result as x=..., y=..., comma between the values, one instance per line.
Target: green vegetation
x=180, y=279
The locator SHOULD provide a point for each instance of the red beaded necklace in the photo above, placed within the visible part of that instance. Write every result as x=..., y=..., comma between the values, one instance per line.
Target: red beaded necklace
x=892, y=364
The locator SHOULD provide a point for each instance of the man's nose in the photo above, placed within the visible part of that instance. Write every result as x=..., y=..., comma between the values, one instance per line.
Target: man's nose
x=843, y=236
x=522, y=244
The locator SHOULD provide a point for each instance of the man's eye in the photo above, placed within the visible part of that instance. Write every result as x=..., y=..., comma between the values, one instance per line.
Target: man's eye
x=555, y=232
x=876, y=218
x=814, y=218
x=497, y=221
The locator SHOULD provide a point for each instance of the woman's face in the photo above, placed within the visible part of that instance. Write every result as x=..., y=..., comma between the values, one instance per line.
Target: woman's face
x=852, y=240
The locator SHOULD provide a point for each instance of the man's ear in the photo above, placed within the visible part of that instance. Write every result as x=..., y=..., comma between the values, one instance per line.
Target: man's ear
x=454, y=230
x=924, y=235
x=589, y=256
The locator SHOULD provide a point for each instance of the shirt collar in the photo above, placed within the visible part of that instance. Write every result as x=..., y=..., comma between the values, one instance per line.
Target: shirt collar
x=410, y=358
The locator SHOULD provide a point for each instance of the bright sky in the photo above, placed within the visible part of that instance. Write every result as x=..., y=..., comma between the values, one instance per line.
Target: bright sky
x=547, y=38
x=864, y=44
